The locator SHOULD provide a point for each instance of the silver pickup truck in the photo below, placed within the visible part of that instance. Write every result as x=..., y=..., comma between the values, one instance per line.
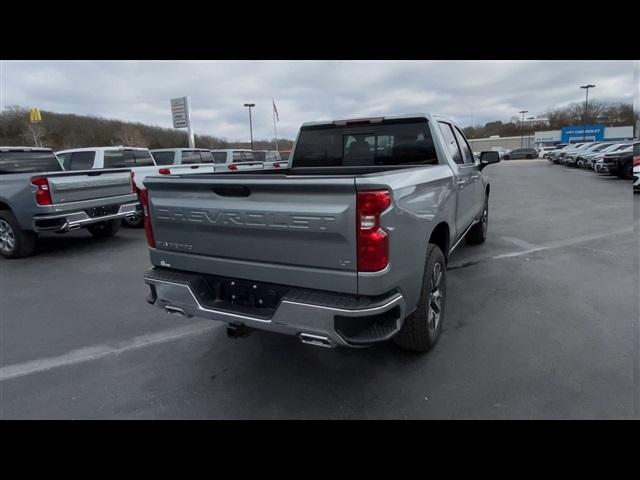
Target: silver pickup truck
x=37, y=195
x=348, y=247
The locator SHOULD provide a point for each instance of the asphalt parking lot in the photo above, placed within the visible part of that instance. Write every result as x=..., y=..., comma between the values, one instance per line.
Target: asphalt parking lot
x=541, y=322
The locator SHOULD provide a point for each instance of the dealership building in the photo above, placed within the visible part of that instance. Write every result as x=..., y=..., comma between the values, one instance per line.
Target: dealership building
x=582, y=133
x=571, y=134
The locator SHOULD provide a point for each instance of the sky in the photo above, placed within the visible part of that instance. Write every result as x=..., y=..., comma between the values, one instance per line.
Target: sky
x=469, y=92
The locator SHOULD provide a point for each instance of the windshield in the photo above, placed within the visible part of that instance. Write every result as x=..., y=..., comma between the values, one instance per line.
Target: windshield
x=388, y=143
x=29, y=162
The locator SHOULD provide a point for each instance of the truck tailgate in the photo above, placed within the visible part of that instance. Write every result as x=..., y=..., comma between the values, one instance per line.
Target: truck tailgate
x=302, y=223
x=79, y=186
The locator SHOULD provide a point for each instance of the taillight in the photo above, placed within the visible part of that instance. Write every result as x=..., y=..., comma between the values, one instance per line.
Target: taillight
x=43, y=194
x=373, y=242
x=233, y=167
x=276, y=165
x=148, y=230
x=636, y=161
x=164, y=171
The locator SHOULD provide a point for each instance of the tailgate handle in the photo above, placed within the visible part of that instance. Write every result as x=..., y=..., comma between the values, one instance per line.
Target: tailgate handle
x=231, y=191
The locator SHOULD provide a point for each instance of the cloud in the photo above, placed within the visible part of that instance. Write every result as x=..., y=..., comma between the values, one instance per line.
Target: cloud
x=466, y=91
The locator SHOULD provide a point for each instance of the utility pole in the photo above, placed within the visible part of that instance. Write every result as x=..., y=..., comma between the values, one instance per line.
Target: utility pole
x=250, y=105
x=522, y=126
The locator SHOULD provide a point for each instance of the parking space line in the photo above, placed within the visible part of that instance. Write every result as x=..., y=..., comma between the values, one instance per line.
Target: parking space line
x=101, y=351
x=564, y=243
x=549, y=246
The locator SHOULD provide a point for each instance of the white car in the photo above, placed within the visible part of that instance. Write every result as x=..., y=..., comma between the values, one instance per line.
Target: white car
x=543, y=151
x=235, y=159
x=184, y=161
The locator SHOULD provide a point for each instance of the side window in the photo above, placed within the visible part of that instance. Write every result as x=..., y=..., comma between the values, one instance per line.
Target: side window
x=206, y=157
x=128, y=158
x=114, y=159
x=467, y=153
x=248, y=156
x=81, y=161
x=190, y=157
x=238, y=157
x=450, y=142
x=219, y=157
x=65, y=158
x=164, y=158
x=143, y=158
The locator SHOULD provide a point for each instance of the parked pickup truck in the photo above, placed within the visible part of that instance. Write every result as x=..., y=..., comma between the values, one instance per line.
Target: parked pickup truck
x=348, y=247
x=37, y=195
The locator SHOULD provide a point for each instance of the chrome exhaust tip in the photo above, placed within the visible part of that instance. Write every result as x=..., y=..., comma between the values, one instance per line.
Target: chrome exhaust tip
x=317, y=340
x=176, y=311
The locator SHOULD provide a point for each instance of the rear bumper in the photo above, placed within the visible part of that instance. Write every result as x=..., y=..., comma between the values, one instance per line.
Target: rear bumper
x=338, y=319
x=64, y=222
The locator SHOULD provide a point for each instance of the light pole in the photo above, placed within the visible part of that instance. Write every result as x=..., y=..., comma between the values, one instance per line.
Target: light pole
x=522, y=126
x=529, y=136
x=250, y=125
x=586, y=106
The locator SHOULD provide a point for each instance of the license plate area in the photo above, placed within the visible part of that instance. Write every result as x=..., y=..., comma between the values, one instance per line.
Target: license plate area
x=102, y=211
x=249, y=294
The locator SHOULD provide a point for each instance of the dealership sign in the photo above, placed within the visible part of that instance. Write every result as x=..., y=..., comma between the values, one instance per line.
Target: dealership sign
x=582, y=133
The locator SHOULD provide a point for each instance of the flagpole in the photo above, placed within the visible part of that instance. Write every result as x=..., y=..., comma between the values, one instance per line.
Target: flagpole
x=275, y=130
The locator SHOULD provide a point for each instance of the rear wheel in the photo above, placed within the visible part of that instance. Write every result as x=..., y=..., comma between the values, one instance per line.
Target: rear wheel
x=421, y=329
x=104, y=229
x=15, y=242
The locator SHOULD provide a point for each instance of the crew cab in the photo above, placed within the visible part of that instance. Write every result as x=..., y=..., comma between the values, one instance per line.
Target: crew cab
x=348, y=247
x=37, y=195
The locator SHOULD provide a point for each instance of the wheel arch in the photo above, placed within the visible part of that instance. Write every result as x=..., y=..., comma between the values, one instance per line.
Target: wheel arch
x=441, y=237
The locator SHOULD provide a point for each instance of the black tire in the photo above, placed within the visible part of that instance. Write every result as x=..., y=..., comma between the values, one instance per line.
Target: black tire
x=15, y=242
x=136, y=222
x=505, y=157
x=626, y=171
x=104, y=229
x=478, y=233
x=421, y=329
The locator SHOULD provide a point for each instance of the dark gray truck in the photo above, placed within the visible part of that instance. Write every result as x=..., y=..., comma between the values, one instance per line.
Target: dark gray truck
x=37, y=195
x=347, y=247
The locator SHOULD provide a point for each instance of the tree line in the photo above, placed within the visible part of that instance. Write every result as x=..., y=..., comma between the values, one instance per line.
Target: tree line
x=606, y=113
x=60, y=131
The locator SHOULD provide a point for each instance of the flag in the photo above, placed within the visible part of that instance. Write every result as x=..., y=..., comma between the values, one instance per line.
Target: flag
x=275, y=110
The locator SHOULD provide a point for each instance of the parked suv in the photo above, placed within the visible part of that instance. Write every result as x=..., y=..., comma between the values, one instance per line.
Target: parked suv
x=521, y=153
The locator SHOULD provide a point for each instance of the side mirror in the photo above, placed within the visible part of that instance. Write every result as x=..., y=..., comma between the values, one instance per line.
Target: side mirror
x=487, y=158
